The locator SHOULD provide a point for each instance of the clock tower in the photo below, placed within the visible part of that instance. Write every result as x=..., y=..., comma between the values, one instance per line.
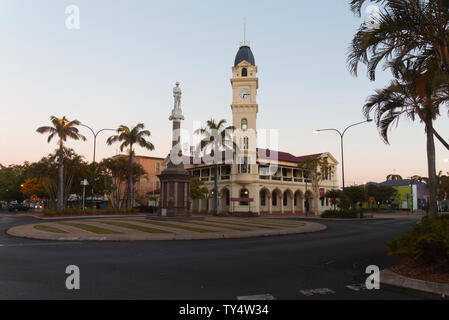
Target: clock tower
x=245, y=172
x=244, y=83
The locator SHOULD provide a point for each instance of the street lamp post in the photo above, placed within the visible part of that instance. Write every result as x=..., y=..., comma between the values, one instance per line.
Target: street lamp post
x=342, y=134
x=84, y=183
x=95, y=134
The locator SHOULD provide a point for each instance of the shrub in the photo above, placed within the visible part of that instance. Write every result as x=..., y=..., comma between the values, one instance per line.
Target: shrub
x=341, y=214
x=427, y=243
x=87, y=211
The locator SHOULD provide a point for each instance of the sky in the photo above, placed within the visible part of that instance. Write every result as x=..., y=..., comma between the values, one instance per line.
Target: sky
x=120, y=67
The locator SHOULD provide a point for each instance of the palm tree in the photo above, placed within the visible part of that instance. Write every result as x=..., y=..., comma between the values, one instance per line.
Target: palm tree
x=394, y=177
x=128, y=138
x=61, y=129
x=413, y=32
x=412, y=94
x=216, y=129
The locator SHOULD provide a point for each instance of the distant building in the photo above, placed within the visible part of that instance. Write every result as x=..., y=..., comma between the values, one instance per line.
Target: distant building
x=408, y=191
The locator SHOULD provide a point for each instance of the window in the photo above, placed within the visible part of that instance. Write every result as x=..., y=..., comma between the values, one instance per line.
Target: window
x=244, y=72
x=244, y=166
x=244, y=124
x=158, y=167
x=285, y=199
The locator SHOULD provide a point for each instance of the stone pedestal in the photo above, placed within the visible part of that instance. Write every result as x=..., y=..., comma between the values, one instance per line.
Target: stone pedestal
x=175, y=192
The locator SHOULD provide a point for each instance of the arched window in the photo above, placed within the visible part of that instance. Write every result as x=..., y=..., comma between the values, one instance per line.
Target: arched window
x=274, y=199
x=263, y=198
x=244, y=72
x=285, y=198
x=244, y=194
x=244, y=124
x=227, y=197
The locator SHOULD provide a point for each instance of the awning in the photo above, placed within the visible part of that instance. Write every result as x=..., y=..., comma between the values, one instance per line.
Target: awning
x=242, y=199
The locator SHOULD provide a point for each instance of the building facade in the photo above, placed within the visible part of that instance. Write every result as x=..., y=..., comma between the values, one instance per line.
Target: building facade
x=258, y=181
x=149, y=183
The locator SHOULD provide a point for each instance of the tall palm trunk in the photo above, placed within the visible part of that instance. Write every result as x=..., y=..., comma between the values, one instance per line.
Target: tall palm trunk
x=433, y=209
x=216, y=190
x=130, y=180
x=60, y=204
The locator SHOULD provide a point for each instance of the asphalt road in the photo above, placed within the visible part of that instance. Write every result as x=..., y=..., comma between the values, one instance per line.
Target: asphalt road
x=207, y=269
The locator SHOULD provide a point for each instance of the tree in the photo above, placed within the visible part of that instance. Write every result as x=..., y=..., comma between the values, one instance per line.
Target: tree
x=61, y=129
x=33, y=187
x=356, y=194
x=412, y=32
x=394, y=177
x=217, y=137
x=408, y=96
x=380, y=193
x=11, y=179
x=316, y=170
x=112, y=173
x=197, y=189
x=128, y=138
x=333, y=195
x=443, y=187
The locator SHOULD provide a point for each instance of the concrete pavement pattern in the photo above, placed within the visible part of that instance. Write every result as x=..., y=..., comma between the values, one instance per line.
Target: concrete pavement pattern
x=140, y=229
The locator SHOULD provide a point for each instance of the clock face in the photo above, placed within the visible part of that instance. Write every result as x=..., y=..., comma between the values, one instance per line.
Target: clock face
x=244, y=94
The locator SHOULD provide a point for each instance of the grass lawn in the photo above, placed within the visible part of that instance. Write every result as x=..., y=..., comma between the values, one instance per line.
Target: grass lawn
x=89, y=228
x=42, y=227
x=133, y=226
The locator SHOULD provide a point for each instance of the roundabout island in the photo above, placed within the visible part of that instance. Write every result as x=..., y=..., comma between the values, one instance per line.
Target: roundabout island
x=144, y=229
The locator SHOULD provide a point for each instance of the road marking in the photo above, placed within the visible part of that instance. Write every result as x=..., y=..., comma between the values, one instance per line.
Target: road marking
x=257, y=297
x=357, y=287
x=319, y=291
x=37, y=244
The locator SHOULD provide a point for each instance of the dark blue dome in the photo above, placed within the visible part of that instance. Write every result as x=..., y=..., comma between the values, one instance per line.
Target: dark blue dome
x=246, y=54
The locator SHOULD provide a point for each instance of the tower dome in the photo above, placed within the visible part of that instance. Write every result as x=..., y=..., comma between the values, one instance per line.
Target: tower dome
x=244, y=54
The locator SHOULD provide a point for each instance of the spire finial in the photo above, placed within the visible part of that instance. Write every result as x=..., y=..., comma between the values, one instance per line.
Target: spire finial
x=244, y=42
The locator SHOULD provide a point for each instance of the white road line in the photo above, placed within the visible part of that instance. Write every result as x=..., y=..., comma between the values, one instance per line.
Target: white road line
x=357, y=286
x=37, y=244
x=257, y=297
x=319, y=291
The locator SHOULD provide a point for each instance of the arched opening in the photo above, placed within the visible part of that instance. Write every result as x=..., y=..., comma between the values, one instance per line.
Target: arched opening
x=244, y=72
x=244, y=124
x=274, y=199
x=299, y=201
x=244, y=194
x=308, y=202
x=225, y=200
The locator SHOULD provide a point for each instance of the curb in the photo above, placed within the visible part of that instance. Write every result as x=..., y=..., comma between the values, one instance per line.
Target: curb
x=392, y=278
x=83, y=217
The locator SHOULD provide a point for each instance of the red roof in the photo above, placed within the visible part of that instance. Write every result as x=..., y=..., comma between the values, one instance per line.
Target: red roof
x=266, y=154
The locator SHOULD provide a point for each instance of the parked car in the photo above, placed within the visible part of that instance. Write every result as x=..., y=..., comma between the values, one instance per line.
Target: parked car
x=16, y=207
